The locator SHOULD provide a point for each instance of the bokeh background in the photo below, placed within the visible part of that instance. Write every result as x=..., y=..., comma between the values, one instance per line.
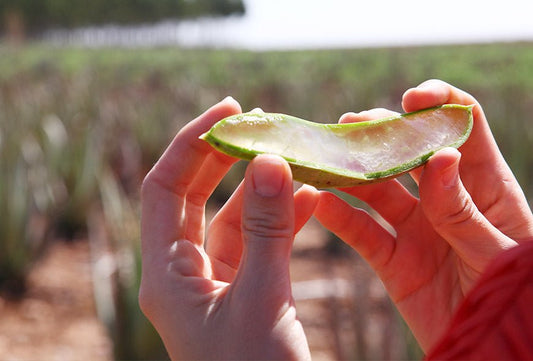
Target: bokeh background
x=91, y=94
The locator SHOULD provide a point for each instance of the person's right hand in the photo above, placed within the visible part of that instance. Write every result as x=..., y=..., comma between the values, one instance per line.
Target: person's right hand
x=471, y=208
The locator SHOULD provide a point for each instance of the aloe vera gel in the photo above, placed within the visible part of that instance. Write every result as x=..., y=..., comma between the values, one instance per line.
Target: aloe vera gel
x=339, y=155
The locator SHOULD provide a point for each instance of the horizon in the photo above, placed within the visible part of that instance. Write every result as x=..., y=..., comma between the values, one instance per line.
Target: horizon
x=309, y=24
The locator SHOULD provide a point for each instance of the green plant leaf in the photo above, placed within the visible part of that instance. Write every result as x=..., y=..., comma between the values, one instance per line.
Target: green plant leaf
x=341, y=155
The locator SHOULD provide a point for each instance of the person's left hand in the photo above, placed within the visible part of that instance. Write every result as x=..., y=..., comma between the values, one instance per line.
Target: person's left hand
x=469, y=210
x=230, y=298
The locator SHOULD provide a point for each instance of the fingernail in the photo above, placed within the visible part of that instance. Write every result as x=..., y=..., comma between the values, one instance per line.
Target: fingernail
x=349, y=117
x=268, y=177
x=450, y=176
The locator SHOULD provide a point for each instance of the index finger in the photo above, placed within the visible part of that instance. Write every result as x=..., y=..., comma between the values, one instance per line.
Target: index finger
x=164, y=188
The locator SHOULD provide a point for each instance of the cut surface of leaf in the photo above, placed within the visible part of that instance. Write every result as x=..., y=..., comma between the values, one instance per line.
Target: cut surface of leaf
x=342, y=155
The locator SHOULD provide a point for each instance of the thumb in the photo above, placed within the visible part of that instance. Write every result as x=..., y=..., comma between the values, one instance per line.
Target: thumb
x=450, y=209
x=267, y=229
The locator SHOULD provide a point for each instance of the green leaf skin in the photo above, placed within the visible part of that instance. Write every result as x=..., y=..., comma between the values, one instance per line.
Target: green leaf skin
x=343, y=155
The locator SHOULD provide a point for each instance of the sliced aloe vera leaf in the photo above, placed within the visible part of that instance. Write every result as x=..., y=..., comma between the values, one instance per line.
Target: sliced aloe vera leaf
x=342, y=155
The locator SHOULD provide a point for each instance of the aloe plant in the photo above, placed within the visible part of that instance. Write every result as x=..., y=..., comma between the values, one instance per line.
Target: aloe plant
x=24, y=202
x=133, y=336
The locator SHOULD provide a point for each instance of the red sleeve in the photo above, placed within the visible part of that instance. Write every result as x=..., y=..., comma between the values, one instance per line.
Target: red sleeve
x=495, y=321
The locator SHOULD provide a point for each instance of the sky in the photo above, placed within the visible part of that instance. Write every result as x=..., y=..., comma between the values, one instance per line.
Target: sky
x=283, y=24
x=305, y=24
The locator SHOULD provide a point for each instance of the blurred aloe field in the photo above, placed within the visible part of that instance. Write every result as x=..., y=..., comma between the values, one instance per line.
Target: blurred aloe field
x=79, y=129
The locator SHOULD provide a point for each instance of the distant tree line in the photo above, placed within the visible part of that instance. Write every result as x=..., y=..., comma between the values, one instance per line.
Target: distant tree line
x=32, y=16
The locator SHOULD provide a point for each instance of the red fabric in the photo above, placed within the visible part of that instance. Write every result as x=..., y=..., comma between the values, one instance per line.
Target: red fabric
x=495, y=322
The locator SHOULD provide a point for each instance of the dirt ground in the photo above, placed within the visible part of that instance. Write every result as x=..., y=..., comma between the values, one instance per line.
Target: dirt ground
x=341, y=305
x=56, y=319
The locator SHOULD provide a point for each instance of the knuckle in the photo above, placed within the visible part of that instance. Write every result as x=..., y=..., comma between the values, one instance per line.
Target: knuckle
x=461, y=214
x=145, y=299
x=266, y=226
x=198, y=198
x=147, y=183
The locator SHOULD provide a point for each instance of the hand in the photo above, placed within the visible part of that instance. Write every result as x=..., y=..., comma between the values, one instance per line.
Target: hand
x=471, y=208
x=230, y=298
